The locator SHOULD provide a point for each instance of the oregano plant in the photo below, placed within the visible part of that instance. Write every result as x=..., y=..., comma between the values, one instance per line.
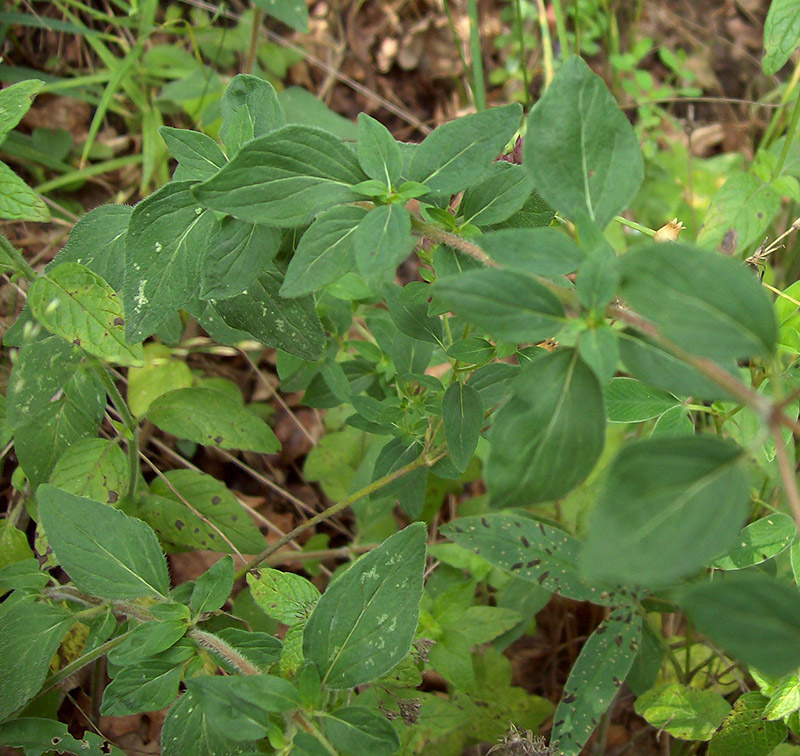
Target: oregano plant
x=519, y=349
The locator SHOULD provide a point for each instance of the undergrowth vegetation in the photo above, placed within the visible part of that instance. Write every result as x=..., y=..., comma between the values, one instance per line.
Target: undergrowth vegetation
x=564, y=394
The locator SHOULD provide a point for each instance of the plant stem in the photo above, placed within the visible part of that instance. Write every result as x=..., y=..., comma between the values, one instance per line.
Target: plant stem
x=478, y=83
x=251, y=52
x=634, y=225
x=421, y=461
x=523, y=58
x=223, y=650
x=547, y=44
x=788, y=475
x=17, y=259
x=561, y=28
x=440, y=236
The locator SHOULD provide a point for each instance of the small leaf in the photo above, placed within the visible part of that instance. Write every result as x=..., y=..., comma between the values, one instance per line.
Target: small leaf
x=38, y=736
x=759, y=541
x=408, y=308
x=781, y=34
x=325, y=252
x=378, y=153
x=507, y=305
x=382, y=240
x=762, y=618
x=363, y=624
x=160, y=374
x=15, y=101
x=682, y=711
x=538, y=251
x=149, y=685
x=785, y=699
x=199, y=156
x=667, y=507
x=212, y=418
x=356, y=730
x=631, y=401
x=462, y=414
x=594, y=680
x=284, y=178
x=293, y=13
x=577, y=175
x=250, y=109
x=30, y=633
x=212, y=588
x=105, y=552
x=286, y=597
x=456, y=154
x=707, y=303
x=497, y=196
x=546, y=439
x=17, y=200
x=95, y=468
x=529, y=550
x=76, y=304
x=744, y=730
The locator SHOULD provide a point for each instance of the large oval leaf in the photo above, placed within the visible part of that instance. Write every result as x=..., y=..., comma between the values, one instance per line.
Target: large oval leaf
x=547, y=437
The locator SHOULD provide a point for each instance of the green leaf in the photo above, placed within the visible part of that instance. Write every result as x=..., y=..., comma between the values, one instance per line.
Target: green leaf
x=286, y=597
x=781, y=34
x=212, y=418
x=408, y=308
x=325, y=252
x=462, y=414
x=599, y=348
x=149, y=685
x=580, y=148
x=74, y=415
x=213, y=516
x=668, y=506
x=105, y=552
x=378, y=153
x=382, y=240
x=30, y=633
x=529, y=550
x=597, y=278
x=261, y=649
x=212, y=588
x=188, y=731
x=166, y=236
x=151, y=639
x=241, y=704
x=39, y=736
x=546, y=439
x=508, y=306
x=682, y=711
x=97, y=241
x=13, y=544
x=501, y=192
x=250, y=109
x=594, y=680
x=538, y=251
x=160, y=374
x=707, y=303
x=17, y=200
x=674, y=422
x=78, y=305
x=356, y=730
x=199, y=156
x=289, y=324
x=237, y=254
x=762, y=618
x=303, y=107
x=759, y=541
x=363, y=624
x=43, y=366
x=14, y=103
x=785, y=699
x=631, y=401
x=284, y=178
x=455, y=155
x=95, y=468
x=744, y=730
x=293, y=13
x=745, y=205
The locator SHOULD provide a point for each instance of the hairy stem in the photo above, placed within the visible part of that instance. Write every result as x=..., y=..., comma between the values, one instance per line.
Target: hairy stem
x=223, y=650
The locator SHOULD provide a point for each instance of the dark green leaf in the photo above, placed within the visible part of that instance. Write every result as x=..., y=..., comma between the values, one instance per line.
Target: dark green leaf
x=538, y=251
x=594, y=680
x=363, y=624
x=378, y=152
x=250, y=109
x=668, y=506
x=261, y=649
x=17, y=200
x=548, y=436
x=167, y=235
x=288, y=324
x=237, y=254
x=498, y=195
x=95, y=468
x=382, y=240
x=325, y=252
x=574, y=172
x=597, y=279
x=286, y=597
x=284, y=178
x=781, y=34
x=15, y=100
x=151, y=639
x=150, y=685
x=759, y=541
x=707, y=303
x=507, y=305
x=408, y=308
x=212, y=588
x=105, y=552
x=30, y=633
x=462, y=415
x=762, y=618
x=199, y=156
x=457, y=153
x=212, y=418
x=39, y=736
x=631, y=401
x=293, y=13
x=356, y=731
x=599, y=349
